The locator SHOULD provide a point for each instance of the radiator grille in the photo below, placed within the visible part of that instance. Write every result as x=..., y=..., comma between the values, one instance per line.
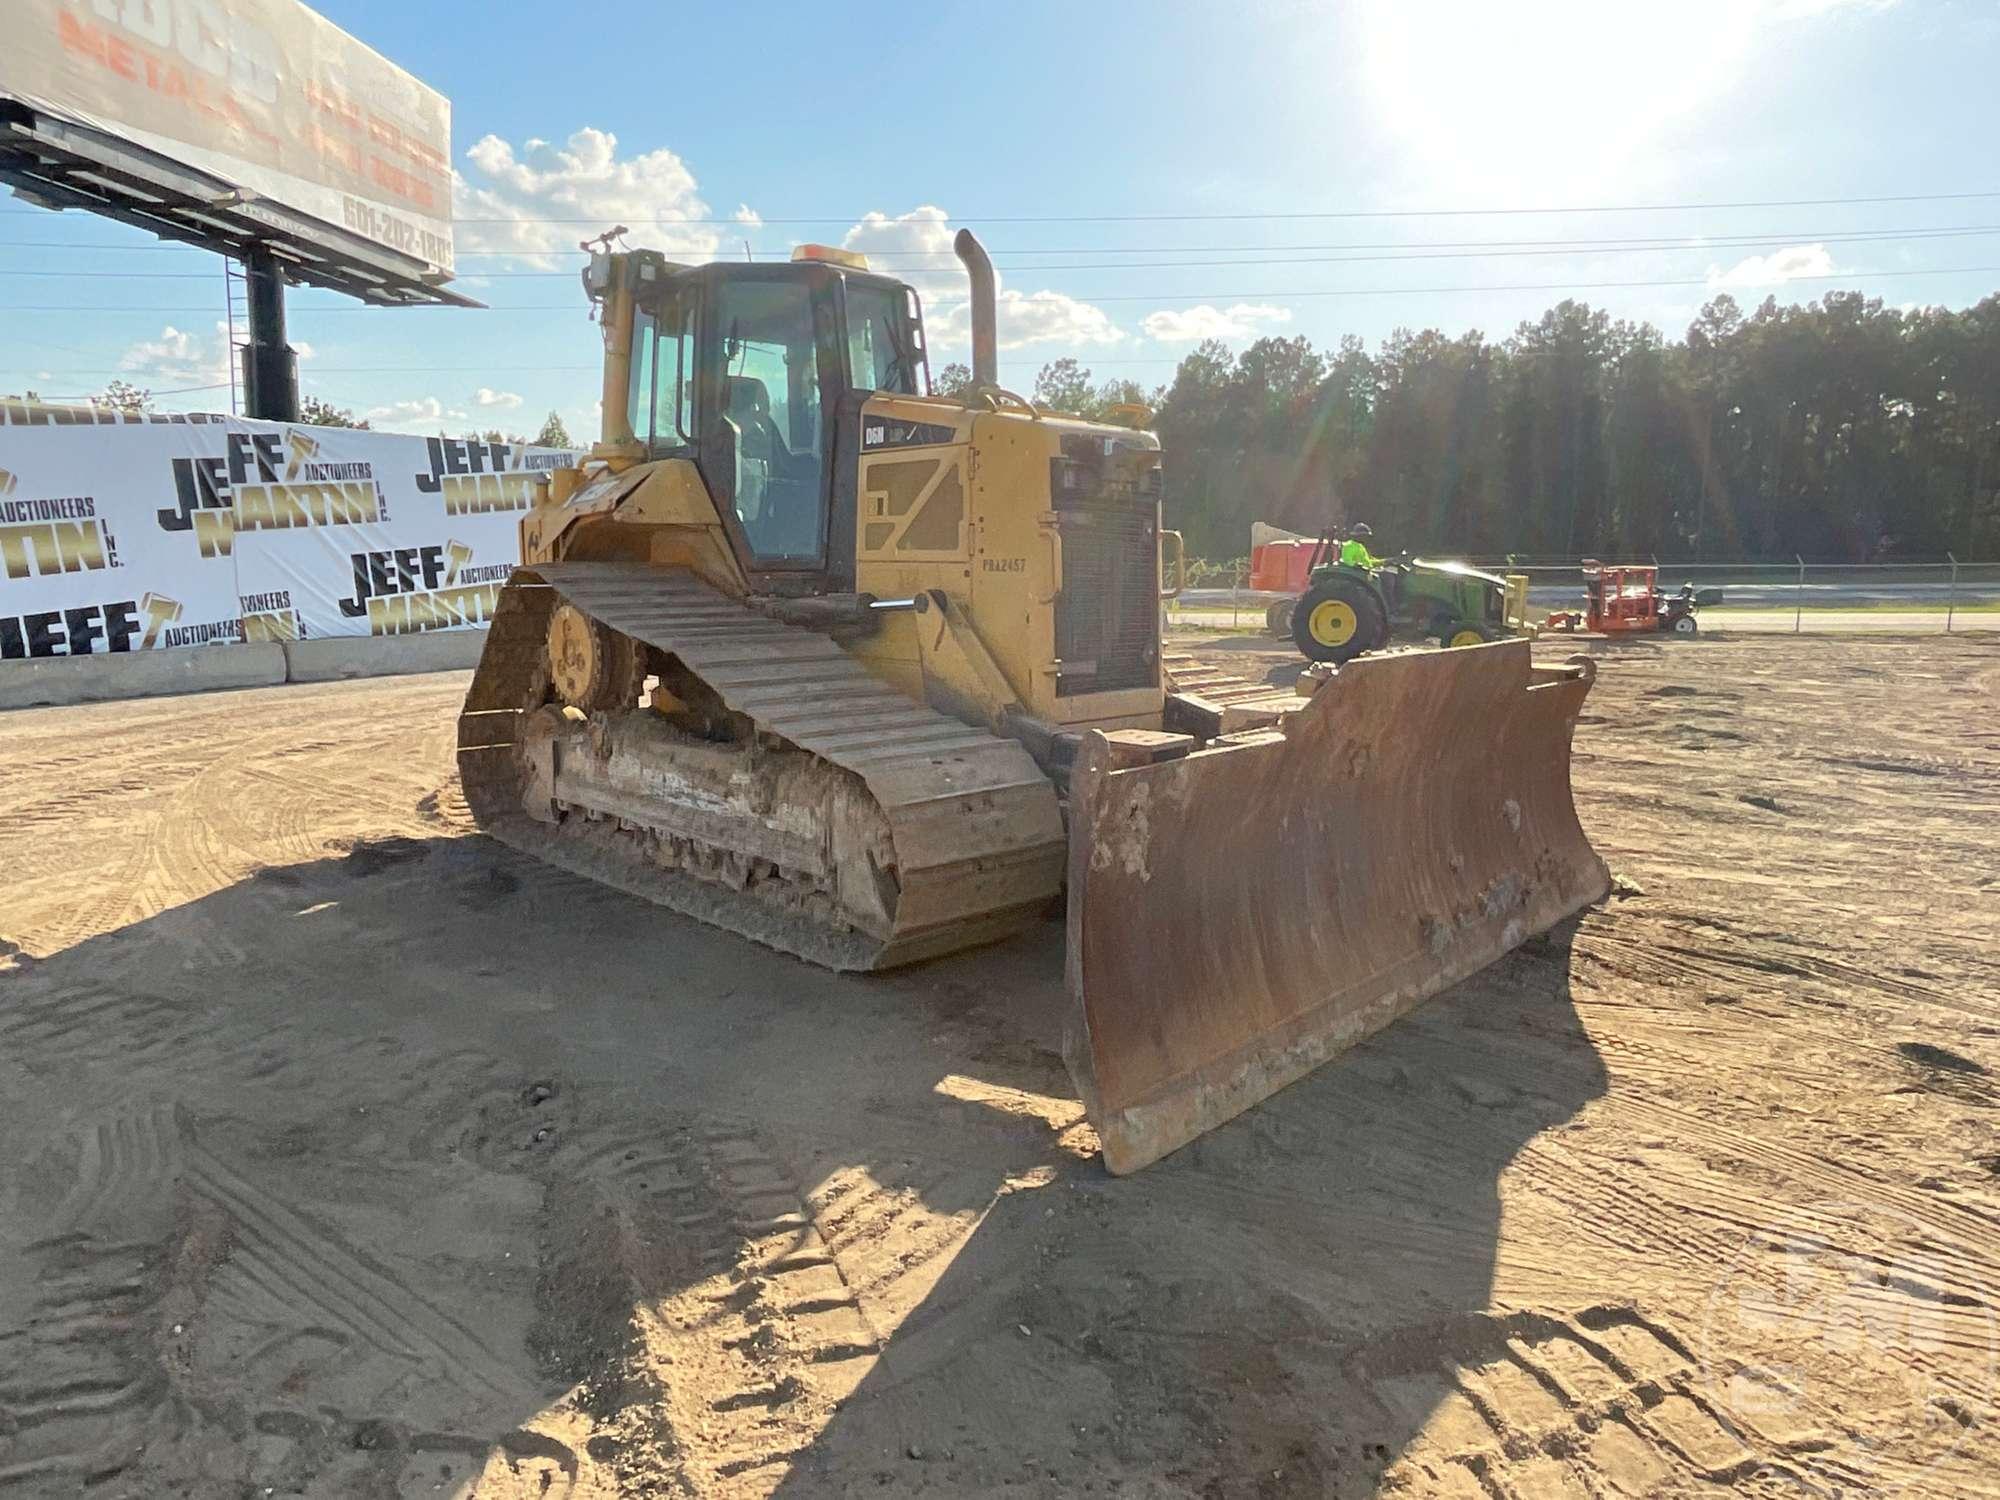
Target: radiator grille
x=1107, y=618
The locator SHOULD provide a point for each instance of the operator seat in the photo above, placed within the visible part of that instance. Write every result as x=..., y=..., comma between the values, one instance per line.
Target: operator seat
x=777, y=490
x=758, y=445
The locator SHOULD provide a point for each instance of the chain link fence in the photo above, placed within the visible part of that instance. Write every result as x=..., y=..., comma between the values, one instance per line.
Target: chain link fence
x=1902, y=598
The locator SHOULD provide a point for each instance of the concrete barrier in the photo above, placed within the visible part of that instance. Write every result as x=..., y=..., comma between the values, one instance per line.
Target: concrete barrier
x=333, y=658
x=56, y=680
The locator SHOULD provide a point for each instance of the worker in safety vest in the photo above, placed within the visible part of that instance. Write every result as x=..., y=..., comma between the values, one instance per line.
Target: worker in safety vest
x=1354, y=552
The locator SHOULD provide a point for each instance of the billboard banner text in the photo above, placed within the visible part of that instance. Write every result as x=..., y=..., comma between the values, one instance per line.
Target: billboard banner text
x=143, y=535
x=265, y=94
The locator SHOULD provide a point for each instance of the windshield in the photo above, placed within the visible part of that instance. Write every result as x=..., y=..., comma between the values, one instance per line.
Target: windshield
x=884, y=339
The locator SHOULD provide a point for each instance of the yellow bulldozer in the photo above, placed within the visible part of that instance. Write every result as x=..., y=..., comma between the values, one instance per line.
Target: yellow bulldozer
x=872, y=675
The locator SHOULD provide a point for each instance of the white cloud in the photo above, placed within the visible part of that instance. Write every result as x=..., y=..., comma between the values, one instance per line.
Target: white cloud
x=182, y=357
x=917, y=248
x=1190, y=324
x=1775, y=269
x=748, y=217
x=499, y=400
x=179, y=357
x=426, y=414
x=1051, y=318
x=517, y=201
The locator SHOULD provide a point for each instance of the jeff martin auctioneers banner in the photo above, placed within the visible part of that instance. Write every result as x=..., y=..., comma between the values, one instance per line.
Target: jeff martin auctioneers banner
x=142, y=534
x=265, y=94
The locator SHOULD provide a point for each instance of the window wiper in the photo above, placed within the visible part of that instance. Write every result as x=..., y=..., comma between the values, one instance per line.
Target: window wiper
x=899, y=356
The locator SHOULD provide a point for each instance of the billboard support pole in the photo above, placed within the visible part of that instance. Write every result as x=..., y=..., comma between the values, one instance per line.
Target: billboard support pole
x=271, y=369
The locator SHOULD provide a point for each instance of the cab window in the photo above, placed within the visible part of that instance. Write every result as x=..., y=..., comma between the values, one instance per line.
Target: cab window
x=663, y=376
x=673, y=376
x=884, y=344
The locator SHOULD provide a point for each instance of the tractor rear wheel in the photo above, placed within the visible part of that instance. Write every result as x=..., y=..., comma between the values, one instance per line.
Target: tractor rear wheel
x=1338, y=620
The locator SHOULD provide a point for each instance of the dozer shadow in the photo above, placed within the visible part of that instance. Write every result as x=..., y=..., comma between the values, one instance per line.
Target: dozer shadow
x=1292, y=1305
x=361, y=1176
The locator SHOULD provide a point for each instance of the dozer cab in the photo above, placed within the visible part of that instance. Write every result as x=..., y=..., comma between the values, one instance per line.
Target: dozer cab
x=871, y=675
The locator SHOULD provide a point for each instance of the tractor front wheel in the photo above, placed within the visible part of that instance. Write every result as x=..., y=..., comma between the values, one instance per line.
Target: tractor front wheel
x=1338, y=620
x=1685, y=625
x=1466, y=633
x=1278, y=618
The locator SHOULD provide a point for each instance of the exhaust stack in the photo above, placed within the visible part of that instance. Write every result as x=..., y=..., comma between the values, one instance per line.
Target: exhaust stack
x=985, y=314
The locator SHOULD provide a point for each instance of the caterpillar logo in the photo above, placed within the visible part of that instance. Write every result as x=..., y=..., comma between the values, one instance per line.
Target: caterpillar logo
x=412, y=589
x=242, y=490
x=48, y=537
x=476, y=478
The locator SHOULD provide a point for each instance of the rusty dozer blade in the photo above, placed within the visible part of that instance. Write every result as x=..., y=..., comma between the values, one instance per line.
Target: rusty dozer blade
x=1242, y=914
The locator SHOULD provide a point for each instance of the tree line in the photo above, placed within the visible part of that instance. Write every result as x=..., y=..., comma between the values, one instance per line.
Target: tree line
x=1840, y=431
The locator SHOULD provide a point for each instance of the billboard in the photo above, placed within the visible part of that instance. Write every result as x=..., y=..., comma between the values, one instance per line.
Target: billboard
x=143, y=535
x=264, y=94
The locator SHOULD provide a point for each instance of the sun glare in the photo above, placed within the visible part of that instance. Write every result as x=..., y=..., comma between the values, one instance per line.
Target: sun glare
x=1545, y=96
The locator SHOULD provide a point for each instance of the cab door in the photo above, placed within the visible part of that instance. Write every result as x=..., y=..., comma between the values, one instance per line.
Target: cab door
x=770, y=381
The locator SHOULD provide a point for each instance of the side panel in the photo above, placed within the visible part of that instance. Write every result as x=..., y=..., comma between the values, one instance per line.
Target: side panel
x=1015, y=570
x=911, y=526
x=1239, y=916
x=964, y=502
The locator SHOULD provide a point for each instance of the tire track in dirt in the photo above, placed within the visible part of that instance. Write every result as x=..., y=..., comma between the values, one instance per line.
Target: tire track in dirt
x=117, y=1278
x=155, y=1240
x=1946, y=1330
x=1536, y=1404
x=687, y=1288
x=193, y=853
x=127, y=1161
x=182, y=814
x=890, y=1241
x=283, y=1255
x=102, y=910
x=85, y=1022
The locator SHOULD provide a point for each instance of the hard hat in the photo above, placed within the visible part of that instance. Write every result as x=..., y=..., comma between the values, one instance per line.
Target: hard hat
x=1360, y=528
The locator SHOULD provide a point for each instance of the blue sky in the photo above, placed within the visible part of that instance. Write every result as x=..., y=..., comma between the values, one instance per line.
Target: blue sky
x=1295, y=159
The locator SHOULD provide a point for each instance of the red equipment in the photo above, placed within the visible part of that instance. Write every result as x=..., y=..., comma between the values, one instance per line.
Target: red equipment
x=1281, y=567
x=1621, y=599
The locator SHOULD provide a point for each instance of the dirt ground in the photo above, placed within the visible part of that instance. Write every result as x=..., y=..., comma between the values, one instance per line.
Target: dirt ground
x=345, y=1153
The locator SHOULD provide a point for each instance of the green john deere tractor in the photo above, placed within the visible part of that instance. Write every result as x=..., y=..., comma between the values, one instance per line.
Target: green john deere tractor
x=1348, y=610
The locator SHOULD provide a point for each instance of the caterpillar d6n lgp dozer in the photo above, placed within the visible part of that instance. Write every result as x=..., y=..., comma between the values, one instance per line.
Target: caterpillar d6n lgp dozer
x=871, y=676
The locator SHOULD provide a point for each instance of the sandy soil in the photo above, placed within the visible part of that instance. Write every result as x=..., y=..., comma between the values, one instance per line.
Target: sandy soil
x=344, y=1153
